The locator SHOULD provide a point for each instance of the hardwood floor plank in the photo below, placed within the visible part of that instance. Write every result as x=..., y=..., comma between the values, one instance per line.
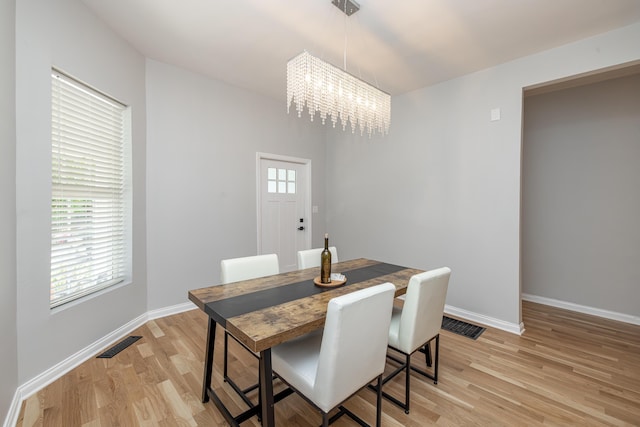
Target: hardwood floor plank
x=566, y=369
x=179, y=408
x=145, y=413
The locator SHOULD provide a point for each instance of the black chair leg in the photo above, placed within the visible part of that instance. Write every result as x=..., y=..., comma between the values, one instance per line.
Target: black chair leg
x=405, y=365
x=427, y=354
x=407, y=384
x=429, y=359
x=379, y=403
x=435, y=369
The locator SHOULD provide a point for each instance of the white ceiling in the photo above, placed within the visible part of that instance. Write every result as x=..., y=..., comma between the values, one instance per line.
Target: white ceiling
x=398, y=45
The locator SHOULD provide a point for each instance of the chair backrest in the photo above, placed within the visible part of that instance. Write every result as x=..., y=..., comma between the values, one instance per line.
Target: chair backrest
x=311, y=257
x=354, y=343
x=245, y=268
x=421, y=317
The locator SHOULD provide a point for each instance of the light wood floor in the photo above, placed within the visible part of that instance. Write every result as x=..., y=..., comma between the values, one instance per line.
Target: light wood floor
x=566, y=369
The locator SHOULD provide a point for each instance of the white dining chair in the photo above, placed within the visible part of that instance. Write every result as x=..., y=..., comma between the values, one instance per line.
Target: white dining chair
x=235, y=270
x=311, y=257
x=414, y=326
x=328, y=367
x=251, y=267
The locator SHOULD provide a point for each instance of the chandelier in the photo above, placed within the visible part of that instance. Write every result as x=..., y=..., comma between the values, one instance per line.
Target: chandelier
x=334, y=93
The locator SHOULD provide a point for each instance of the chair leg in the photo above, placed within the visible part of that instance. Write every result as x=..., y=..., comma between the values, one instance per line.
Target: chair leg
x=435, y=369
x=405, y=365
x=426, y=349
x=379, y=403
x=325, y=419
x=407, y=384
x=427, y=354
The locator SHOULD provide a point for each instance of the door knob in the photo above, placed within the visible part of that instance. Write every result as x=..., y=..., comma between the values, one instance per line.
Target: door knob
x=301, y=228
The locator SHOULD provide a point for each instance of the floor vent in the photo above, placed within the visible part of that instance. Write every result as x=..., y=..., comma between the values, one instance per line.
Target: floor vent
x=118, y=347
x=461, y=328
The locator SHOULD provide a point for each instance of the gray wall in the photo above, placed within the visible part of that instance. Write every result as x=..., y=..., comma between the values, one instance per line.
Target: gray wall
x=8, y=327
x=443, y=188
x=63, y=33
x=581, y=204
x=201, y=193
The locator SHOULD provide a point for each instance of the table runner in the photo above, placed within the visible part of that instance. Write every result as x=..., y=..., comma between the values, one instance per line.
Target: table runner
x=222, y=310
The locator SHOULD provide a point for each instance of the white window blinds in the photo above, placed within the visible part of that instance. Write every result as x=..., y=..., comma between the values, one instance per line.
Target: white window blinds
x=88, y=189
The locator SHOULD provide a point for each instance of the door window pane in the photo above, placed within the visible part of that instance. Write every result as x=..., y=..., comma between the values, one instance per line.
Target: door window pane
x=281, y=180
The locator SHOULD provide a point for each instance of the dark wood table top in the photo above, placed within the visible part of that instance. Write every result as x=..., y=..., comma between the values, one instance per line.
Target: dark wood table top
x=267, y=311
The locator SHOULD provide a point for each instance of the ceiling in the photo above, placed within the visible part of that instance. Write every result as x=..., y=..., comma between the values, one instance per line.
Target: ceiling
x=397, y=45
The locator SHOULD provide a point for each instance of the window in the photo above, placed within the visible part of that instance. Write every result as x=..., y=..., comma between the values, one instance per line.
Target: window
x=281, y=181
x=90, y=134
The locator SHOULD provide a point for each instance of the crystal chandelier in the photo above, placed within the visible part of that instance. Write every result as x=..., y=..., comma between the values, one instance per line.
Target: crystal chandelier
x=330, y=91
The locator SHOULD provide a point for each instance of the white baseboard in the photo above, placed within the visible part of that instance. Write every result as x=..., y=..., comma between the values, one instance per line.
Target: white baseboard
x=514, y=328
x=621, y=317
x=14, y=411
x=168, y=311
x=50, y=375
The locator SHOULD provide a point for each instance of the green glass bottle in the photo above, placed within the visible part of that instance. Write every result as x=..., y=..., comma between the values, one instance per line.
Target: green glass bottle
x=325, y=262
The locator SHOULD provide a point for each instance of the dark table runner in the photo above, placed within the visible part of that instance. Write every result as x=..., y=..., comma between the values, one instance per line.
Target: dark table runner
x=222, y=310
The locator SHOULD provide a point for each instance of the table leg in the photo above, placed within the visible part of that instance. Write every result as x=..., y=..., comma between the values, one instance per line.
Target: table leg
x=266, y=389
x=208, y=359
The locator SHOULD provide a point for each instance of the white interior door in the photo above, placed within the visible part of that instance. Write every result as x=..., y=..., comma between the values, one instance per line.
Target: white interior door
x=284, y=225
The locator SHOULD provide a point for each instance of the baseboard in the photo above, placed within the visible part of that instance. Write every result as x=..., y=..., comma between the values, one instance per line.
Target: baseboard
x=168, y=311
x=621, y=317
x=14, y=411
x=514, y=328
x=50, y=375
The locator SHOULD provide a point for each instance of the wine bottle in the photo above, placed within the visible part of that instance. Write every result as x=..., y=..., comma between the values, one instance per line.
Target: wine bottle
x=325, y=262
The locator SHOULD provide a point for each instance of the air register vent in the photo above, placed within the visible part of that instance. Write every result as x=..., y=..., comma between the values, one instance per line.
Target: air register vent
x=461, y=328
x=351, y=7
x=118, y=347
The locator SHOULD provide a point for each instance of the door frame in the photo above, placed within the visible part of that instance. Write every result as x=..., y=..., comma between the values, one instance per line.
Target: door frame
x=306, y=164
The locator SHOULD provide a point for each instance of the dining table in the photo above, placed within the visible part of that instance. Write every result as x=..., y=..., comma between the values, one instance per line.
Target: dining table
x=263, y=312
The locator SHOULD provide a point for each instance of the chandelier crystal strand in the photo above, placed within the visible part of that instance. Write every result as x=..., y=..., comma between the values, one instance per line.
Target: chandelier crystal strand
x=332, y=92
